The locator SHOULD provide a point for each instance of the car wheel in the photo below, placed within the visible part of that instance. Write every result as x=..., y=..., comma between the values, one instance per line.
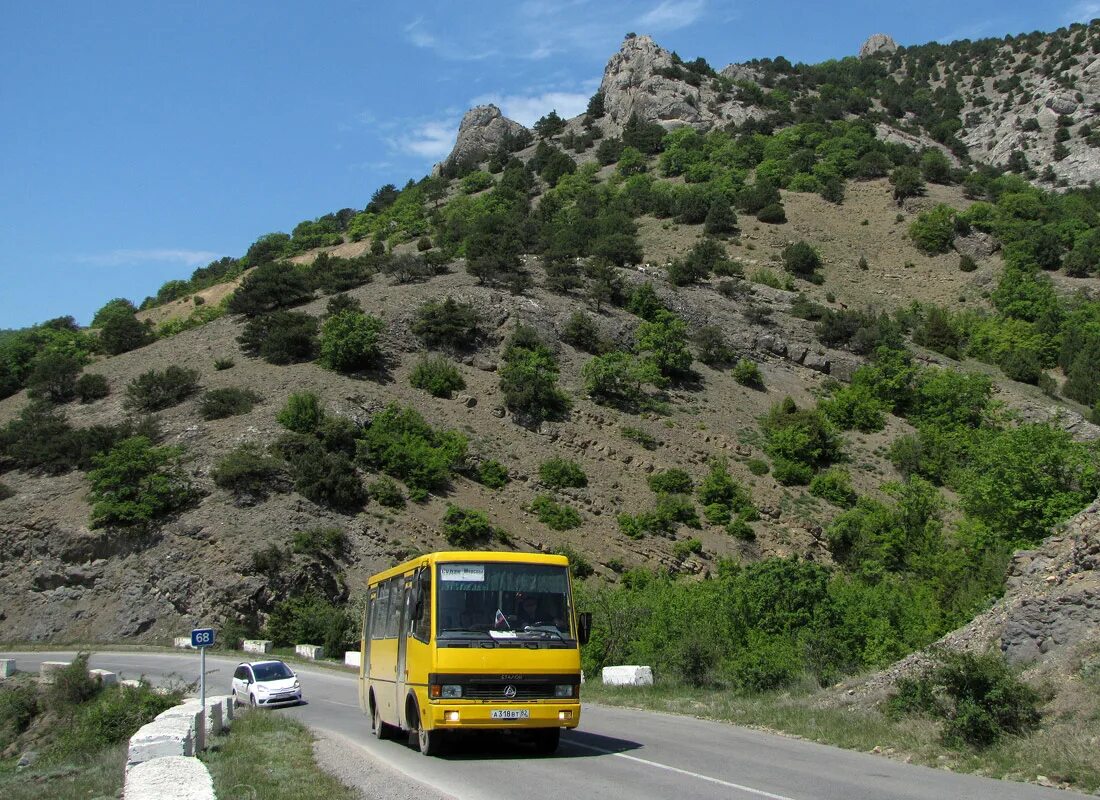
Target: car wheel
x=546, y=740
x=251, y=700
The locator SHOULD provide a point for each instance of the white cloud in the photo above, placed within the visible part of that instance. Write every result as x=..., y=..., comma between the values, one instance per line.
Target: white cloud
x=418, y=35
x=1083, y=11
x=118, y=258
x=526, y=109
x=433, y=139
x=669, y=15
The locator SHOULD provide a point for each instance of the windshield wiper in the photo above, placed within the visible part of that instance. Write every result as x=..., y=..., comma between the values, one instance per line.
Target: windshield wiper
x=544, y=629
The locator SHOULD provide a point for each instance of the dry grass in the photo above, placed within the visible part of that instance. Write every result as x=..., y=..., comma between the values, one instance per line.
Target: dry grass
x=93, y=778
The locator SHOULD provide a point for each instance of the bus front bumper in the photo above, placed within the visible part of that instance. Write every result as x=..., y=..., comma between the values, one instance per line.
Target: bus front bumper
x=481, y=716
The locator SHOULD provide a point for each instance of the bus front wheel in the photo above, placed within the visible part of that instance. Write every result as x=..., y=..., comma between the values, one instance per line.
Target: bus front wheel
x=429, y=742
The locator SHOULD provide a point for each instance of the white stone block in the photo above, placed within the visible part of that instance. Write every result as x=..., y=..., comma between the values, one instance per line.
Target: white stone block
x=170, y=736
x=353, y=658
x=130, y=683
x=256, y=646
x=182, y=642
x=7, y=668
x=628, y=676
x=191, y=711
x=48, y=668
x=177, y=777
x=104, y=677
x=226, y=703
x=310, y=651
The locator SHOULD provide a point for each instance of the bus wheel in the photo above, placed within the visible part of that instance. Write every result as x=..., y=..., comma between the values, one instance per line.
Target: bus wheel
x=546, y=740
x=430, y=742
x=380, y=729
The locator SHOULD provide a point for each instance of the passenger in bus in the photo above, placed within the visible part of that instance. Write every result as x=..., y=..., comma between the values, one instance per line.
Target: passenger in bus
x=528, y=611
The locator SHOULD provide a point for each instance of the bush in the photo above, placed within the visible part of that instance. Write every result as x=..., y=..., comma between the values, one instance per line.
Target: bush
x=437, y=376
x=934, y=231
x=493, y=474
x=156, y=390
x=686, y=547
x=121, y=333
x=423, y=244
x=582, y=332
x=907, y=182
x=72, y=685
x=757, y=466
x=92, y=386
x=855, y=407
x=476, y=182
x=270, y=287
x=112, y=716
x=560, y=473
x=136, y=483
x=528, y=380
x=313, y=619
x=747, y=373
x=967, y=263
x=579, y=566
x=977, y=696
x=223, y=363
x=711, y=344
x=554, y=515
x=643, y=438
x=617, y=379
x=386, y=492
x=302, y=413
x=18, y=708
x=799, y=441
x=801, y=259
x=447, y=324
x=835, y=486
x=772, y=214
x=720, y=488
x=400, y=443
x=664, y=343
x=221, y=403
x=248, y=472
x=327, y=479
x=670, y=481
x=320, y=542
x=463, y=527
x=720, y=219
x=741, y=530
x=350, y=342
x=281, y=337
x=764, y=663
x=53, y=377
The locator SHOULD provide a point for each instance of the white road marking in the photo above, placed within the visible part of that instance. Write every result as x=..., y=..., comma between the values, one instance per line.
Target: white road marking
x=738, y=786
x=337, y=702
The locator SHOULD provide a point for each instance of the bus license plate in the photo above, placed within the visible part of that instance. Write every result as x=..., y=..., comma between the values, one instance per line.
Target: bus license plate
x=510, y=713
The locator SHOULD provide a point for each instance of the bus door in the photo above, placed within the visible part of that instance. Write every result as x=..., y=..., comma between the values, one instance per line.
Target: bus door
x=402, y=601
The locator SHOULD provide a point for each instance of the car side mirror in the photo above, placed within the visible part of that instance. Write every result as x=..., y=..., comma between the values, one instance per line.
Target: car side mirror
x=584, y=626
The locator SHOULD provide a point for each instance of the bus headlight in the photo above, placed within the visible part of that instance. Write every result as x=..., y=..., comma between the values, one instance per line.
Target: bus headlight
x=563, y=690
x=451, y=691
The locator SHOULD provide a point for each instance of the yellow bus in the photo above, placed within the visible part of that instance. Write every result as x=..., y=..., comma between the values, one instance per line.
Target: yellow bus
x=472, y=641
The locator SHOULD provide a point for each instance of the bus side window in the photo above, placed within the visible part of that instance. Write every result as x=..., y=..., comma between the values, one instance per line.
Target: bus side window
x=421, y=627
x=380, y=612
x=397, y=603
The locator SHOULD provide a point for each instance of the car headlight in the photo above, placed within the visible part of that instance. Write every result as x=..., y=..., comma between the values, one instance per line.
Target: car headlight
x=297, y=686
x=451, y=691
x=563, y=690
x=261, y=689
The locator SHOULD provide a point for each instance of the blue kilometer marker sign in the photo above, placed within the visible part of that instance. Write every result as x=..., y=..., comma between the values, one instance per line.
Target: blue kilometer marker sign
x=202, y=637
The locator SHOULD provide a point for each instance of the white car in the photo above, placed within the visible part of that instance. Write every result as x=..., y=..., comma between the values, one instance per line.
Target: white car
x=265, y=683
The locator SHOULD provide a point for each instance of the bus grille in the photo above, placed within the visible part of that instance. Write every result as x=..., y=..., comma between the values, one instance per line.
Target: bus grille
x=495, y=691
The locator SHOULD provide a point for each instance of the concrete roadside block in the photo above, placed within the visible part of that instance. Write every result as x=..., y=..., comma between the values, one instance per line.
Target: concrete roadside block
x=130, y=683
x=182, y=642
x=164, y=736
x=48, y=668
x=256, y=646
x=310, y=651
x=227, y=709
x=177, y=777
x=353, y=658
x=103, y=677
x=628, y=676
x=7, y=668
x=190, y=712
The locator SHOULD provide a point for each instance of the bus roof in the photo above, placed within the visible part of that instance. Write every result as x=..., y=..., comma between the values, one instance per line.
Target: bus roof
x=469, y=555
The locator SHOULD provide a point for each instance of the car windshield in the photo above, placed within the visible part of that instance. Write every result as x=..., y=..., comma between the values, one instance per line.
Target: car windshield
x=271, y=672
x=504, y=601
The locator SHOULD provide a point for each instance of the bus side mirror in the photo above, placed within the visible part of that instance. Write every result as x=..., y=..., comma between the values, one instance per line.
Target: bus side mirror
x=584, y=626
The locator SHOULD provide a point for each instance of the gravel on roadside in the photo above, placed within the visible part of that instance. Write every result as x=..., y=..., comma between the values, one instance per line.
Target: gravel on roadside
x=372, y=779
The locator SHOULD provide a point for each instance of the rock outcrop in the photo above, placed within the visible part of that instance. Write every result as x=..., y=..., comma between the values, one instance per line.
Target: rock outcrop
x=877, y=43
x=481, y=131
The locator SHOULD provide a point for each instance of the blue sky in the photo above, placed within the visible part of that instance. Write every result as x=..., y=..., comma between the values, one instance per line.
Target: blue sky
x=141, y=140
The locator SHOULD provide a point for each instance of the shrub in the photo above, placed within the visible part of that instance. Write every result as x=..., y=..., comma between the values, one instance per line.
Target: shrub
x=835, y=486
x=720, y=218
x=437, y=376
x=772, y=214
x=617, y=379
x=747, y=373
x=686, y=547
x=643, y=438
x=248, y=471
x=327, y=479
x=350, y=342
x=645, y=303
x=92, y=386
x=310, y=618
x=399, y=442
x=320, y=542
x=670, y=481
x=270, y=287
x=579, y=566
x=582, y=332
x=493, y=474
x=967, y=263
x=72, y=685
x=136, y=483
x=155, y=390
x=302, y=413
x=18, y=708
x=221, y=403
x=476, y=182
x=740, y=529
x=977, y=696
x=447, y=324
x=423, y=244
x=799, y=441
x=561, y=473
x=528, y=380
x=855, y=407
x=719, y=487
x=386, y=492
x=757, y=466
x=464, y=527
x=717, y=514
x=712, y=347
x=764, y=663
x=801, y=259
x=934, y=231
x=223, y=363
x=113, y=715
x=907, y=182
x=556, y=516
x=664, y=343
x=53, y=377
x=281, y=337
x=121, y=333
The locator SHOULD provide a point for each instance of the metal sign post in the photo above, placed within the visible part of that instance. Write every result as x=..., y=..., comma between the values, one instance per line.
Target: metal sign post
x=202, y=638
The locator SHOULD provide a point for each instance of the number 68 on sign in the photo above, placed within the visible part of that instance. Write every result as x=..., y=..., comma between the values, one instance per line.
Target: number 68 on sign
x=202, y=637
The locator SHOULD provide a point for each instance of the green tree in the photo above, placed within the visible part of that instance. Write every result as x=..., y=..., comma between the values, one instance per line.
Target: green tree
x=281, y=337
x=907, y=182
x=54, y=377
x=120, y=332
x=664, y=342
x=528, y=379
x=631, y=162
x=447, y=324
x=136, y=483
x=303, y=413
x=269, y=287
x=720, y=218
x=801, y=259
x=618, y=379
x=350, y=341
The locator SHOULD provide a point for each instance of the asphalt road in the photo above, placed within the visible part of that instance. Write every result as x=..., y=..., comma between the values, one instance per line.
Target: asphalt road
x=616, y=753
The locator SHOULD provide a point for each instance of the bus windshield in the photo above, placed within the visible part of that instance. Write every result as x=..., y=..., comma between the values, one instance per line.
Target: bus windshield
x=504, y=601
